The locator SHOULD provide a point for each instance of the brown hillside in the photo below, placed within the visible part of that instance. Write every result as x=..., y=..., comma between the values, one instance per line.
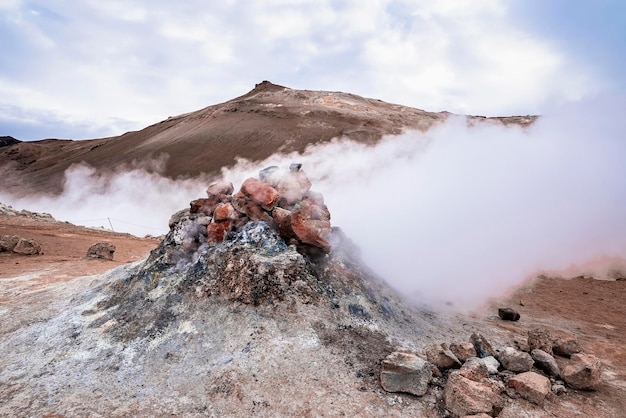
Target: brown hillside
x=268, y=119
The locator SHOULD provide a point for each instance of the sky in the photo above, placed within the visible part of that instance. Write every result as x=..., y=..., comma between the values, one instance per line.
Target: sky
x=100, y=68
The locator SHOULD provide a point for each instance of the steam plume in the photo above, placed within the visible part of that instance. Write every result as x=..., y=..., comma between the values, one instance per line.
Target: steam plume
x=456, y=214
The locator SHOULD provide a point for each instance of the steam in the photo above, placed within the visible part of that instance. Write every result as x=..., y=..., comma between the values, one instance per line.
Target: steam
x=454, y=215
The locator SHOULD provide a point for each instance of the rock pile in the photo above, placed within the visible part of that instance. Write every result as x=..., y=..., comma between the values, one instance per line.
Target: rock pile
x=471, y=378
x=282, y=199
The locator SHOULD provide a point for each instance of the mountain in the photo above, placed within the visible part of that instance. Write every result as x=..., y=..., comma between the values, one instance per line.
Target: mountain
x=267, y=119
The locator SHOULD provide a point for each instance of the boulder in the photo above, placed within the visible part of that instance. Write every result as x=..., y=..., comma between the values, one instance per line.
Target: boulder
x=307, y=226
x=252, y=210
x=405, y=372
x=583, y=372
x=492, y=364
x=566, y=345
x=101, y=250
x=205, y=205
x=220, y=188
x=283, y=219
x=546, y=362
x=508, y=314
x=260, y=193
x=441, y=356
x=225, y=212
x=515, y=360
x=481, y=345
x=531, y=386
x=216, y=231
x=540, y=339
x=8, y=242
x=463, y=396
x=27, y=247
x=474, y=369
x=463, y=351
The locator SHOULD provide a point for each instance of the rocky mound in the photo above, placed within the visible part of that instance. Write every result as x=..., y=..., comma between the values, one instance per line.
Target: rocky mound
x=253, y=305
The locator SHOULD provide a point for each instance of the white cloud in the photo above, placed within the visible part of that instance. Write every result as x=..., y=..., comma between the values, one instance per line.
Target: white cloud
x=98, y=61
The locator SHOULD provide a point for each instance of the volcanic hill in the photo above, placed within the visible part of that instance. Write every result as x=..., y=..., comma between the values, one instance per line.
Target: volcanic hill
x=268, y=119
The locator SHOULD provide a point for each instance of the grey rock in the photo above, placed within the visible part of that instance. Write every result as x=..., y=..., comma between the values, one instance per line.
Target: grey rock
x=566, y=345
x=558, y=389
x=101, y=250
x=474, y=369
x=441, y=356
x=546, y=362
x=583, y=372
x=405, y=372
x=515, y=360
x=492, y=364
x=8, y=242
x=27, y=247
x=481, y=345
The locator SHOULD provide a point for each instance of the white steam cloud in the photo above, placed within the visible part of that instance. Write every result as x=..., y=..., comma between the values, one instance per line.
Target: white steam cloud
x=454, y=215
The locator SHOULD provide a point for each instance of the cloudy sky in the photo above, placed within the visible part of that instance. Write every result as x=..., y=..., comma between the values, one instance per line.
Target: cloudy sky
x=96, y=68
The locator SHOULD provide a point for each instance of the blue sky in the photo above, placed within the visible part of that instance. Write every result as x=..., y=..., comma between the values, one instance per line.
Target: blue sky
x=94, y=68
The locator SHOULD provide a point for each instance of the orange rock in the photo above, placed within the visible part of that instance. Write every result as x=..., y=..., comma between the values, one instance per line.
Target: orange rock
x=246, y=206
x=310, y=231
x=261, y=193
x=216, y=231
x=225, y=212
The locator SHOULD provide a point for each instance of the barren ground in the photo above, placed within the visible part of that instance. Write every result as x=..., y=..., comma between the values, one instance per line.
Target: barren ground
x=593, y=310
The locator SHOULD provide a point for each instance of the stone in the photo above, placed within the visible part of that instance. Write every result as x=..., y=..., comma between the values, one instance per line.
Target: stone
x=225, y=212
x=463, y=351
x=545, y=362
x=515, y=360
x=531, y=386
x=246, y=206
x=540, y=339
x=204, y=205
x=405, y=372
x=463, y=396
x=508, y=314
x=481, y=415
x=481, y=345
x=492, y=364
x=307, y=226
x=583, y=372
x=101, y=250
x=474, y=369
x=177, y=217
x=283, y=219
x=216, y=231
x=220, y=188
x=270, y=175
x=441, y=356
x=8, y=242
x=566, y=345
x=260, y=193
x=27, y=247
x=558, y=389
x=293, y=187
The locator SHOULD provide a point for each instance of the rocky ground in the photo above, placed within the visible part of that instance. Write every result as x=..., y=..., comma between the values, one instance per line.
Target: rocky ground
x=148, y=339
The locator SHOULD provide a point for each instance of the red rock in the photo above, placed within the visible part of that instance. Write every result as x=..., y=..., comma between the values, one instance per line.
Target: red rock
x=261, y=193
x=220, y=188
x=310, y=231
x=206, y=206
x=225, y=212
x=583, y=372
x=246, y=206
x=216, y=231
x=463, y=396
x=531, y=386
x=283, y=219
